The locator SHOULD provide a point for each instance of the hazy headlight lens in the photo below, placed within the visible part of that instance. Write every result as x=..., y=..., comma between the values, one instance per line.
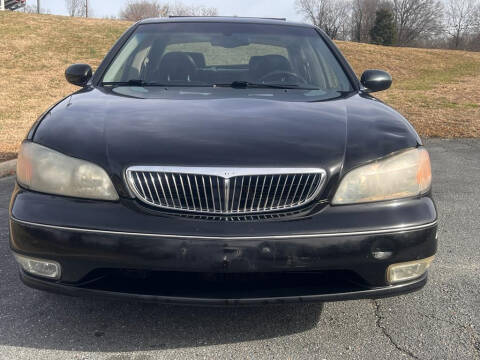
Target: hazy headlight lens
x=42, y=169
x=398, y=176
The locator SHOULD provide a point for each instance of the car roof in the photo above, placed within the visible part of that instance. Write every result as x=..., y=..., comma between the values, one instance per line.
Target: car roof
x=223, y=19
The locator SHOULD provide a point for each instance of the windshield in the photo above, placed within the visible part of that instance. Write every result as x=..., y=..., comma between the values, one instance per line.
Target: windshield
x=227, y=54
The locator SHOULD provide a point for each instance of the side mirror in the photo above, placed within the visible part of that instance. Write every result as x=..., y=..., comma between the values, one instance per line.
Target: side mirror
x=78, y=74
x=376, y=80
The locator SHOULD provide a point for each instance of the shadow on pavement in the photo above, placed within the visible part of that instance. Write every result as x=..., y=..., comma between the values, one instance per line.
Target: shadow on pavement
x=47, y=321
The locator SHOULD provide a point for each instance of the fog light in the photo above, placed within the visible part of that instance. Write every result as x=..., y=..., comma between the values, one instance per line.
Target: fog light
x=45, y=268
x=408, y=270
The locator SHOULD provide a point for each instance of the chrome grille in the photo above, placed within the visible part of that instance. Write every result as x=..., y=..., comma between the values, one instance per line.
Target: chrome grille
x=225, y=190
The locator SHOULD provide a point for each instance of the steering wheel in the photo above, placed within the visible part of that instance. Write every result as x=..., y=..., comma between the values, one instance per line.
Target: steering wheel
x=281, y=75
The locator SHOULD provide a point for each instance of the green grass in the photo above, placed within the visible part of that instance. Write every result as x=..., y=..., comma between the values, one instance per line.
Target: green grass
x=427, y=79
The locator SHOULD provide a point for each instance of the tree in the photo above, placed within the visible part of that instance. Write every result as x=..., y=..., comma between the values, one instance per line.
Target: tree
x=138, y=10
x=474, y=43
x=142, y=9
x=462, y=18
x=30, y=9
x=179, y=9
x=384, y=31
x=34, y=9
x=329, y=15
x=78, y=8
x=363, y=19
x=416, y=19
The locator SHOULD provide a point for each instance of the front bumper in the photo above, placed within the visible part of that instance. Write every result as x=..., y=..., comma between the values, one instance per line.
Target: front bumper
x=247, y=299
x=304, y=259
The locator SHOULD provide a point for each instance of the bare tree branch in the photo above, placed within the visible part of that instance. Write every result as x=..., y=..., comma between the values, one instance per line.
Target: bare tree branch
x=363, y=18
x=416, y=19
x=180, y=9
x=462, y=20
x=78, y=8
x=332, y=16
x=141, y=9
x=138, y=10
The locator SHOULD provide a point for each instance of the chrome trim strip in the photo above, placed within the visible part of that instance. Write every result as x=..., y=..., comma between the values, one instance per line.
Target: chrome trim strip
x=176, y=190
x=248, y=193
x=198, y=192
x=213, y=196
x=268, y=194
x=283, y=190
x=163, y=190
x=304, y=188
x=290, y=190
x=261, y=194
x=254, y=193
x=191, y=192
x=226, y=172
x=296, y=190
x=148, y=186
x=155, y=188
x=279, y=237
x=226, y=195
x=240, y=197
x=205, y=194
x=183, y=188
x=140, y=183
x=275, y=194
x=170, y=191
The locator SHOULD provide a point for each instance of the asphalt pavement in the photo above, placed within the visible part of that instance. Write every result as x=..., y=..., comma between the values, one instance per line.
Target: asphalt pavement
x=442, y=321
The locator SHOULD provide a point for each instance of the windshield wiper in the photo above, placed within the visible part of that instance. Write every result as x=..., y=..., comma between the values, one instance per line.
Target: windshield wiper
x=248, y=84
x=135, y=82
x=142, y=83
x=235, y=84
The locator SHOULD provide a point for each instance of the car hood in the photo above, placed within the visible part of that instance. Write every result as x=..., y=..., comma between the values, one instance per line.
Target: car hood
x=198, y=130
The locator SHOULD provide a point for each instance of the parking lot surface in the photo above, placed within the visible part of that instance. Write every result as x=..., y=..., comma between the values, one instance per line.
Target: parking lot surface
x=442, y=321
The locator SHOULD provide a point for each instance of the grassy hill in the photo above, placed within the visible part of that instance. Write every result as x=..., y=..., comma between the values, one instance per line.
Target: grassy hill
x=437, y=90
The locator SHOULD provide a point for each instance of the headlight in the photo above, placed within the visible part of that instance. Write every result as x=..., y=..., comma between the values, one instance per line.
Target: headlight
x=45, y=170
x=398, y=176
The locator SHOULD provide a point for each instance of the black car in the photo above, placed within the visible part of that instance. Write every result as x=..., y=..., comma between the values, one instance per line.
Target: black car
x=224, y=161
